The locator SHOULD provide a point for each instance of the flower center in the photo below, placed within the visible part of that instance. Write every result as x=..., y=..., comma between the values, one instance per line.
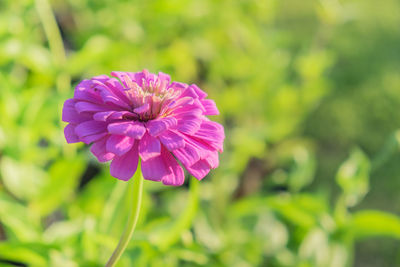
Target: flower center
x=149, y=99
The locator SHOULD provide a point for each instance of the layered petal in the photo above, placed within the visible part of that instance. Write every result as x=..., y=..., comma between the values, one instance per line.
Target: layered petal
x=158, y=126
x=90, y=128
x=200, y=169
x=119, y=144
x=155, y=169
x=188, y=155
x=128, y=128
x=69, y=113
x=124, y=167
x=98, y=149
x=171, y=140
x=145, y=115
x=149, y=147
x=70, y=135
x=176, y=176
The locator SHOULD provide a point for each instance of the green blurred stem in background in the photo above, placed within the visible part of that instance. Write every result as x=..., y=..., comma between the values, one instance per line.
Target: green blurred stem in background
x=136, y=192
x=54, y=38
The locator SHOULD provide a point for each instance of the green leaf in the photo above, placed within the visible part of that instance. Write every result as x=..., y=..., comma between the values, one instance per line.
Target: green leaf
x=24, y=253
x=369, y=223
x=24, y=180
x=57, y=188
x=353, y=177
x=303, y=171
x=20, y=222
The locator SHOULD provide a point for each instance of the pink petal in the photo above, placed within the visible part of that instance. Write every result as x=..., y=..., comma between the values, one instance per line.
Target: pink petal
x=189, y=92
x=123, y=115
x=110, y=95
x=155, y=169
x=119, y=144
x=164, y=79
x=189, y=125
x=115, y=86
x=149, y=147
x=125, y=78
x=210, y=107
x=84, y=106
x=99, y=151
x=93, y=137
x=84, y=91
x=171, y=140
x=211, y=133
x=158, y=126
x=199, y=170
x=182, y=101
x=70, y=135
x=142, y=109
x=90, y=127
x=177, y=176
x=178, y=87
x=102, y=116
x=212, y=159
x=124, y=167
x=69, y=113
x=188, y=155
x=129, y=128
x=200, y=93
x=195, y=109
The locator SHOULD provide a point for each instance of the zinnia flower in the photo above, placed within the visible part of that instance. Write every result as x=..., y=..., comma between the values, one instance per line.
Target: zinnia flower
x=132, y=115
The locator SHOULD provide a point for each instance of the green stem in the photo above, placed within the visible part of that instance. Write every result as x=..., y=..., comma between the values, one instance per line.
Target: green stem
x=136, y=189
x=53, y=36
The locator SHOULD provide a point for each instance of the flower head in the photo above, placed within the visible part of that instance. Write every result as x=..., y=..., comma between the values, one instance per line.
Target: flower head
x=132, y=115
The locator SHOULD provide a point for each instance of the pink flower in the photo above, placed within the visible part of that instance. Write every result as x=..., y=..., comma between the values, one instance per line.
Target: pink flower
x=145, y=115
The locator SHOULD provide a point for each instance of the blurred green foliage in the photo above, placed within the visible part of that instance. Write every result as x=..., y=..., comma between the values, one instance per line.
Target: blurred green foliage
x=300, y=85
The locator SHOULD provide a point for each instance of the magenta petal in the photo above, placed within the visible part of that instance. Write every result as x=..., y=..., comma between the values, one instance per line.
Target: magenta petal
x=200, y=93
x=188, y=155
x=178, y=87
x=158, y=126
x=70, y=135
x=122, y=115
x=93, y=137
x=189, y=125
x=129, y=128
x=116, y=87
x=171, y=140
x=69, y=113
x=108, y=95
x=155, y=169
x=211, y=133
x=142, y=109
x=99, y=151
x=212, y=159
x=210, y=107
x=149, y=147
x=177, y=176
x=199, y=170
x=124, y=167
x=102, y=116
x=84, y=106
x=84, y=91
x=90, y=127
x=119, y=144
x=124, y=77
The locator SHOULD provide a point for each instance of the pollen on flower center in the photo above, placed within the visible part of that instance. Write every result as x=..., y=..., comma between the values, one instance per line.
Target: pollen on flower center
x=148, y=98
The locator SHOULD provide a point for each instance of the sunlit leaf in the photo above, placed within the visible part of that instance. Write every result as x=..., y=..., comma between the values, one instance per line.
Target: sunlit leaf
x=353, y=177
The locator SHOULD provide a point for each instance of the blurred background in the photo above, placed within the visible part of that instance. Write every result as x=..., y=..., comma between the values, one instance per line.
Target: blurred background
x=308, y=92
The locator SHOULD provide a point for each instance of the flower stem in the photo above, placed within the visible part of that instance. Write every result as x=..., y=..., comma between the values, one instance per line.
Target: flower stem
x=136, y=192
